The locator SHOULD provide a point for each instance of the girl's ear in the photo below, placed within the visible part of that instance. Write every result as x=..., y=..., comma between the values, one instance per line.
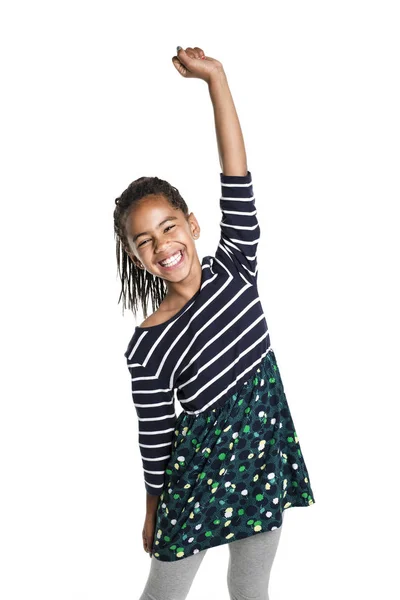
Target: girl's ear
x=196, y=231
x=194, y=225
x=135, y=260
x=137, y=263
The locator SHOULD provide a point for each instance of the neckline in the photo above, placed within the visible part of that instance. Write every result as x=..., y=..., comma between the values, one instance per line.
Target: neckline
x=177, y=314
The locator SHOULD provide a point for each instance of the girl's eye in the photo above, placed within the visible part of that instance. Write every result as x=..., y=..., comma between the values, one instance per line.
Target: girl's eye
x=166, y=229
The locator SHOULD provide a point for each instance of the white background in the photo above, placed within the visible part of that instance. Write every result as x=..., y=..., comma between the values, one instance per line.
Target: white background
x=90, y=102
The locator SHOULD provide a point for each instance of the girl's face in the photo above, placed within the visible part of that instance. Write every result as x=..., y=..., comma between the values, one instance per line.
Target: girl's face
x=156, y=231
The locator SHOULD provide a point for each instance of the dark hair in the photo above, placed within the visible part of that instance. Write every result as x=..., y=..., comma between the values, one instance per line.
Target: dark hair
x=138, y=284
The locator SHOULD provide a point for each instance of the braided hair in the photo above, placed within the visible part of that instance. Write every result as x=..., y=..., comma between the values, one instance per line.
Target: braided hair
x=138, y=285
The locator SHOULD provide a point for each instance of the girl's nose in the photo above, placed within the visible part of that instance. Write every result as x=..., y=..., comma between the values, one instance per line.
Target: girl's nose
x=161, y=248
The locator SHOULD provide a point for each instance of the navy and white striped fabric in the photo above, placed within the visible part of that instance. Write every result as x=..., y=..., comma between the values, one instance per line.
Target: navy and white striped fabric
x=207, y=351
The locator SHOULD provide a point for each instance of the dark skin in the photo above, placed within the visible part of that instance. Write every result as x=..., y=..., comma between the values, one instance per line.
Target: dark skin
x=178, y=233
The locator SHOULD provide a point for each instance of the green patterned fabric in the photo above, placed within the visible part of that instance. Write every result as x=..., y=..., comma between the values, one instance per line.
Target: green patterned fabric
x=233, y=470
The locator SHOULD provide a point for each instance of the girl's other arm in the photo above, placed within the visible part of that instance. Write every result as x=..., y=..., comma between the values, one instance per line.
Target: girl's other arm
x=232, y=153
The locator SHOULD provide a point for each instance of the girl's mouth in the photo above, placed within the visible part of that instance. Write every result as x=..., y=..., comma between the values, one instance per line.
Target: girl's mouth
x=177, y=263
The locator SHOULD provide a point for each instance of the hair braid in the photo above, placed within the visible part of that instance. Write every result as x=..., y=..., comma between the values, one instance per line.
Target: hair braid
x=138, y=285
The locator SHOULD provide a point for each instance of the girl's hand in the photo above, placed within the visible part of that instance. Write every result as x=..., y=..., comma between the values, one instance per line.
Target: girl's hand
x=148, y=532
x=192, y=62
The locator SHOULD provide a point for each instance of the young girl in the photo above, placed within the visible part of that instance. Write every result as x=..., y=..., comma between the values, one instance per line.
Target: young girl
x=227, y=468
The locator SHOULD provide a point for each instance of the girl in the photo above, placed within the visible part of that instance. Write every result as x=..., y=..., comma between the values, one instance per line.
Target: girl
x=227, y=468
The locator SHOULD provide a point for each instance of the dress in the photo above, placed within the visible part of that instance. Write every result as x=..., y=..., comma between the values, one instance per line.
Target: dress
x=233, y=470
x=231, y=462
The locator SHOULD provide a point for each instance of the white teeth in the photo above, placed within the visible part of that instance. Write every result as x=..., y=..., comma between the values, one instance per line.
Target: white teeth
x=171, y=261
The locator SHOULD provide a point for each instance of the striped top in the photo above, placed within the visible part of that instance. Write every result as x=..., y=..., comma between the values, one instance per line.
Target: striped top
x=205, y=352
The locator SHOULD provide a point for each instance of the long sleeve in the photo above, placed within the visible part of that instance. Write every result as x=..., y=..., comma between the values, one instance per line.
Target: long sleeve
x=240, y=230
x=155, y=407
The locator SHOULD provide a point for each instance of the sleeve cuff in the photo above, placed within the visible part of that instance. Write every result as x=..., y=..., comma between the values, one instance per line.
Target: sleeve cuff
x=235, y=178
x=151, y=491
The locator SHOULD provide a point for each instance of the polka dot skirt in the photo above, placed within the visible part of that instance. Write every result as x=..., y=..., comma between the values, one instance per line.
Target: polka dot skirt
x=233, y=470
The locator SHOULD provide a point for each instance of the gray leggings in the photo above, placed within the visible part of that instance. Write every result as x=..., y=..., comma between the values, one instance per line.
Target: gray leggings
x=250, y=562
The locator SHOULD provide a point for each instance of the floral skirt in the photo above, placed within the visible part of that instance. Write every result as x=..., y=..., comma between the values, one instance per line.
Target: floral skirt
x=233, y=470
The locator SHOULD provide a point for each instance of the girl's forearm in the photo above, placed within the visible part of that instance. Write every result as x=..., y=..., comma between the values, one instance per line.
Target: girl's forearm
x=232, y=153
x=151, y=504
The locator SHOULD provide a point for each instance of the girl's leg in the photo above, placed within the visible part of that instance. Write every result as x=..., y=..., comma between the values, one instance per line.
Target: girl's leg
x=250, y=562
x=171, y=580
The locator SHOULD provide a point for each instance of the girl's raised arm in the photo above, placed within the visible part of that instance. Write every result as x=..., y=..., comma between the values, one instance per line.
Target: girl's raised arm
x=192, y=63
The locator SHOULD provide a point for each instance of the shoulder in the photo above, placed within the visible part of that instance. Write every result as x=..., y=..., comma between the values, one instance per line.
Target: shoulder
x=155, y=318
x=159, y=316
x=151, y=320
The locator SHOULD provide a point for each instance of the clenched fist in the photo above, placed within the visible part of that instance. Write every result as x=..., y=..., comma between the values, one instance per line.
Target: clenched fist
x=192, y=62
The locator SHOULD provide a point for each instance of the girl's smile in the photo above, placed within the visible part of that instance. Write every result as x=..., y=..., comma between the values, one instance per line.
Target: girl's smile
x=174, y=261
